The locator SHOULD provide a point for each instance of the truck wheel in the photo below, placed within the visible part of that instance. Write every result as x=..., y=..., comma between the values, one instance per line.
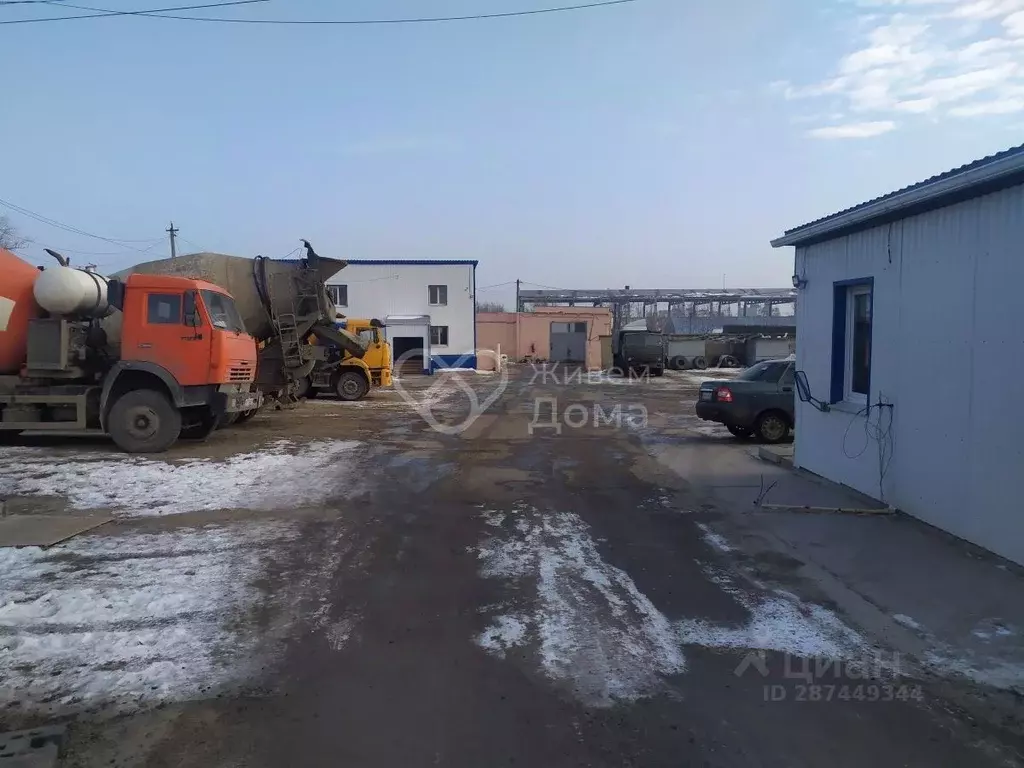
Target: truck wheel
x=678, y=363
x=201, y=426
x=351, y=386
x=305, y=388
x=144, y=421
x=244, y=416
x=772, y=427
x=700, y=363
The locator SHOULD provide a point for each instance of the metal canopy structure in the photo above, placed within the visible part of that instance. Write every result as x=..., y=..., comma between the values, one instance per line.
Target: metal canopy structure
x=684, y=300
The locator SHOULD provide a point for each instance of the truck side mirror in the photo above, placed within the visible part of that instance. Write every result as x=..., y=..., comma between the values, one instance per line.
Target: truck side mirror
x=191, y=313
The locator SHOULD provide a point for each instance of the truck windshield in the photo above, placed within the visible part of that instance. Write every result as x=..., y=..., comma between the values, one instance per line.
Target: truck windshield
x=369, y=335
x=223, y=313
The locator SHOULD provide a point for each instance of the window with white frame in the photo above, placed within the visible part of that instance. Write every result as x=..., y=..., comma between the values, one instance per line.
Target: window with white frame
x=851, y=341
x=439, y=335
x=437, y=295
x=338, y=294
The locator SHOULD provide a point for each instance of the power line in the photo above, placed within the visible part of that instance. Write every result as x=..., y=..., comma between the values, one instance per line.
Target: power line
x=199, y=248
x=104, y=12
x=497, y=285
x=68, y=228
x=163, y=13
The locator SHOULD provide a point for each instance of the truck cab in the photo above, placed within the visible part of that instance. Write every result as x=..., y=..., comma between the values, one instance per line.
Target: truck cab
x=348, y=376
x=183, y=344
x=146, y=360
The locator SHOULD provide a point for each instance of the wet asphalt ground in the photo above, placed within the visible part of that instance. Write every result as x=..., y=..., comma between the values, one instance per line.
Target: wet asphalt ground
x=501, y=598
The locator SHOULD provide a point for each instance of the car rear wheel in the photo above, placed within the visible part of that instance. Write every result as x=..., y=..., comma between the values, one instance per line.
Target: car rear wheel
x=772, y=427
x=742, y=432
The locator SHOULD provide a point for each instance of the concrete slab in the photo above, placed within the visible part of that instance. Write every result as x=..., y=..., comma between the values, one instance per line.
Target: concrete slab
x=777, y=454
x=32, y=748
x=963, y=606
x=45, y=530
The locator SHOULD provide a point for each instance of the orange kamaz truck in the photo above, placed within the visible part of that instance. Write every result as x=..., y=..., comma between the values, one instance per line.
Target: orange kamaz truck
x=145, y=359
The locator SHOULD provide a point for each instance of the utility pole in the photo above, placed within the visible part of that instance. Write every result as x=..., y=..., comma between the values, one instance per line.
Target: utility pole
x=518, y=306
x=172, y=231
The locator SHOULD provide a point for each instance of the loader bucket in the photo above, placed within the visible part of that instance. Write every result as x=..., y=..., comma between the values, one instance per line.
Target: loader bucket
x=351, y=343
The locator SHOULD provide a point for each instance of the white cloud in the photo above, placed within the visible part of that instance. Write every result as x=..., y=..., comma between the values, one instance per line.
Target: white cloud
x=853, y=130
x=996, y=107
x=1014, y=24
x=917, y=106
x=962, y=58
x=986, y=9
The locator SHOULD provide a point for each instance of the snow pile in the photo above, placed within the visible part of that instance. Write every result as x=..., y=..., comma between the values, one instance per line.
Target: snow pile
x=282, y=475
x=137, y=618
x=593, y=629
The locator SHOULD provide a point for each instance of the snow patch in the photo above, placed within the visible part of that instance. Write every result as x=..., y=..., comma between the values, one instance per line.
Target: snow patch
x=1005, y=673
x=504, y=633
x=906, y=621
x=493, y=518
x=594, y=630
x=122, y=620
x=282, y=475
x=713, y=539
x=781, y=623
x=340, y=632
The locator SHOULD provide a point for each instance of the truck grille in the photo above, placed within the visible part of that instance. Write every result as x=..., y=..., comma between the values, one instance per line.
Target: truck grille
x=241, y=373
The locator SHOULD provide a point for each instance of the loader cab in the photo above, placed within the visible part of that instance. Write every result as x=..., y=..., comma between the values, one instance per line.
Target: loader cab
x=190, y=328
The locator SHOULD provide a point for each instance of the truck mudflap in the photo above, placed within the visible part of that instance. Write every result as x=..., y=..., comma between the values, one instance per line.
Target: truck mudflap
x=233, y=399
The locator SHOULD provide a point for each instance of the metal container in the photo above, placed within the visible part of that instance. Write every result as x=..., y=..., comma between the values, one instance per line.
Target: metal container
x=17, y=307
x=73, y=292
x=253, y=283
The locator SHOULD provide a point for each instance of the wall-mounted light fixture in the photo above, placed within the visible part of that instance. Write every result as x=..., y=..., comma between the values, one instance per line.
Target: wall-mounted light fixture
x=799, y=282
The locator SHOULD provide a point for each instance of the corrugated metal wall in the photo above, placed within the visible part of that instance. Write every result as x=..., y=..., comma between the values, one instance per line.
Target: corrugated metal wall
x=948, y=350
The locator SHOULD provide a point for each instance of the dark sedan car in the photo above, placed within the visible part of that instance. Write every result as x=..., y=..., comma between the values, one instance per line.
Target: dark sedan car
x=757, y=402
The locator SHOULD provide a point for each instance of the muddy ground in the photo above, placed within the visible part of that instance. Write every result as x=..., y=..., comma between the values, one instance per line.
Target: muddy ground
x=429, y=596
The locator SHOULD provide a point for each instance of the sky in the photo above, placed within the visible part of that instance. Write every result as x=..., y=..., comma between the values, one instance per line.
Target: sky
x=657, y=143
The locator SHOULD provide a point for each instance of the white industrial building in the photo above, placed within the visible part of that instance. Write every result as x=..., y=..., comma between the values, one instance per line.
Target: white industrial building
x=428, y=308
x=912, y=343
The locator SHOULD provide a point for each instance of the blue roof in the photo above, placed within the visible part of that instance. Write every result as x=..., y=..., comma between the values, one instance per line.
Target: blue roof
x=989, y=174
x=431, y=262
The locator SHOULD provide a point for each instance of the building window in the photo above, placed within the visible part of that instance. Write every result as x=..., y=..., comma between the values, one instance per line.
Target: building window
x=439, y=335
x=437, y=295
x=164, y=309
x=851, y=340
x=338, y=294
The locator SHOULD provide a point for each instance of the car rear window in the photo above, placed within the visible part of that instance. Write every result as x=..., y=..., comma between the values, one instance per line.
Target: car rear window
x=768, y=371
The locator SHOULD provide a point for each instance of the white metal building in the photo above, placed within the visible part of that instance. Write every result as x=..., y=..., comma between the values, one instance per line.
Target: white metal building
x=428, y=307
x=912, y=339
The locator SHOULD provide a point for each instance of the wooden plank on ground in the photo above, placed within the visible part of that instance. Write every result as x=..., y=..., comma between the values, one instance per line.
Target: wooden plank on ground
x=832, y=510
x=45, y=530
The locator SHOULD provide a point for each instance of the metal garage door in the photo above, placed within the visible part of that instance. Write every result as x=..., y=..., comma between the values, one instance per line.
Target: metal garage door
x=568, y=342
